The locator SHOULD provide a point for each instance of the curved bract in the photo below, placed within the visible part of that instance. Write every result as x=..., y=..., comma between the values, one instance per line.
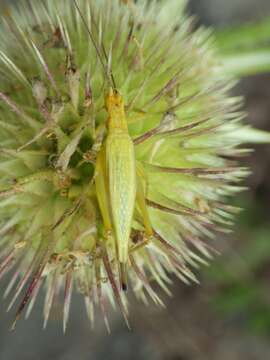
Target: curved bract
x=58, y=163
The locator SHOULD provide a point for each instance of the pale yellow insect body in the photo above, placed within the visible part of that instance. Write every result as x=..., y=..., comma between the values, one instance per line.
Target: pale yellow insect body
x=117, y=179
x=121, y=165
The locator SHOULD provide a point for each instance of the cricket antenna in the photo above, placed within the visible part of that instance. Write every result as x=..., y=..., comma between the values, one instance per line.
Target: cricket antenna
x=109, y=77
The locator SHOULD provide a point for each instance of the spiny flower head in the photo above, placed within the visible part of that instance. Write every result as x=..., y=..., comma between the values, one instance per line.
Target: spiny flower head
x=98, y=193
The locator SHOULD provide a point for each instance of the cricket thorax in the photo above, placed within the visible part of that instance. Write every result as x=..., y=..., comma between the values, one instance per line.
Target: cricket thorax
x=115, y=106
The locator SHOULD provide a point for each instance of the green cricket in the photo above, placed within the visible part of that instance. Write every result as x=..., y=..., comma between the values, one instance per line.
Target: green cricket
x=119, y=181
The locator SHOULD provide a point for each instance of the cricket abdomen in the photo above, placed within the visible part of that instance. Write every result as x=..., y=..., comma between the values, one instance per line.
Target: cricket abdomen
x=122, y=187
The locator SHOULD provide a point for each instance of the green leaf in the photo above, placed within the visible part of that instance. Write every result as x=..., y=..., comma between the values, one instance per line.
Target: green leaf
x=245, y=39
x=245, y=50
x=247, y=63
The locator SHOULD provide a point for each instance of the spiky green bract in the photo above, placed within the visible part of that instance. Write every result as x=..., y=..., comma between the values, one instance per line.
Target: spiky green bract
x=185, y=127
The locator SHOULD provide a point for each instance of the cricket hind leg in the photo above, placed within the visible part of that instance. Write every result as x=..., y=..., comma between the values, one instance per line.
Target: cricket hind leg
x=102, y=190
x=148, y=232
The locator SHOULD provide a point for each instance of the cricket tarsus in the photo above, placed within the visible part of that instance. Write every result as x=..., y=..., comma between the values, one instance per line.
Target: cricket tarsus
x=123, y=276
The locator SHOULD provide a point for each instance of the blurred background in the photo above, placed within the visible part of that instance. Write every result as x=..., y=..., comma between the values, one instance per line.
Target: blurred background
x=227, y=316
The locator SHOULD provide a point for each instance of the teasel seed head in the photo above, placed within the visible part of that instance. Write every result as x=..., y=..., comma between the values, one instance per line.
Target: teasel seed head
x=56, y=63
